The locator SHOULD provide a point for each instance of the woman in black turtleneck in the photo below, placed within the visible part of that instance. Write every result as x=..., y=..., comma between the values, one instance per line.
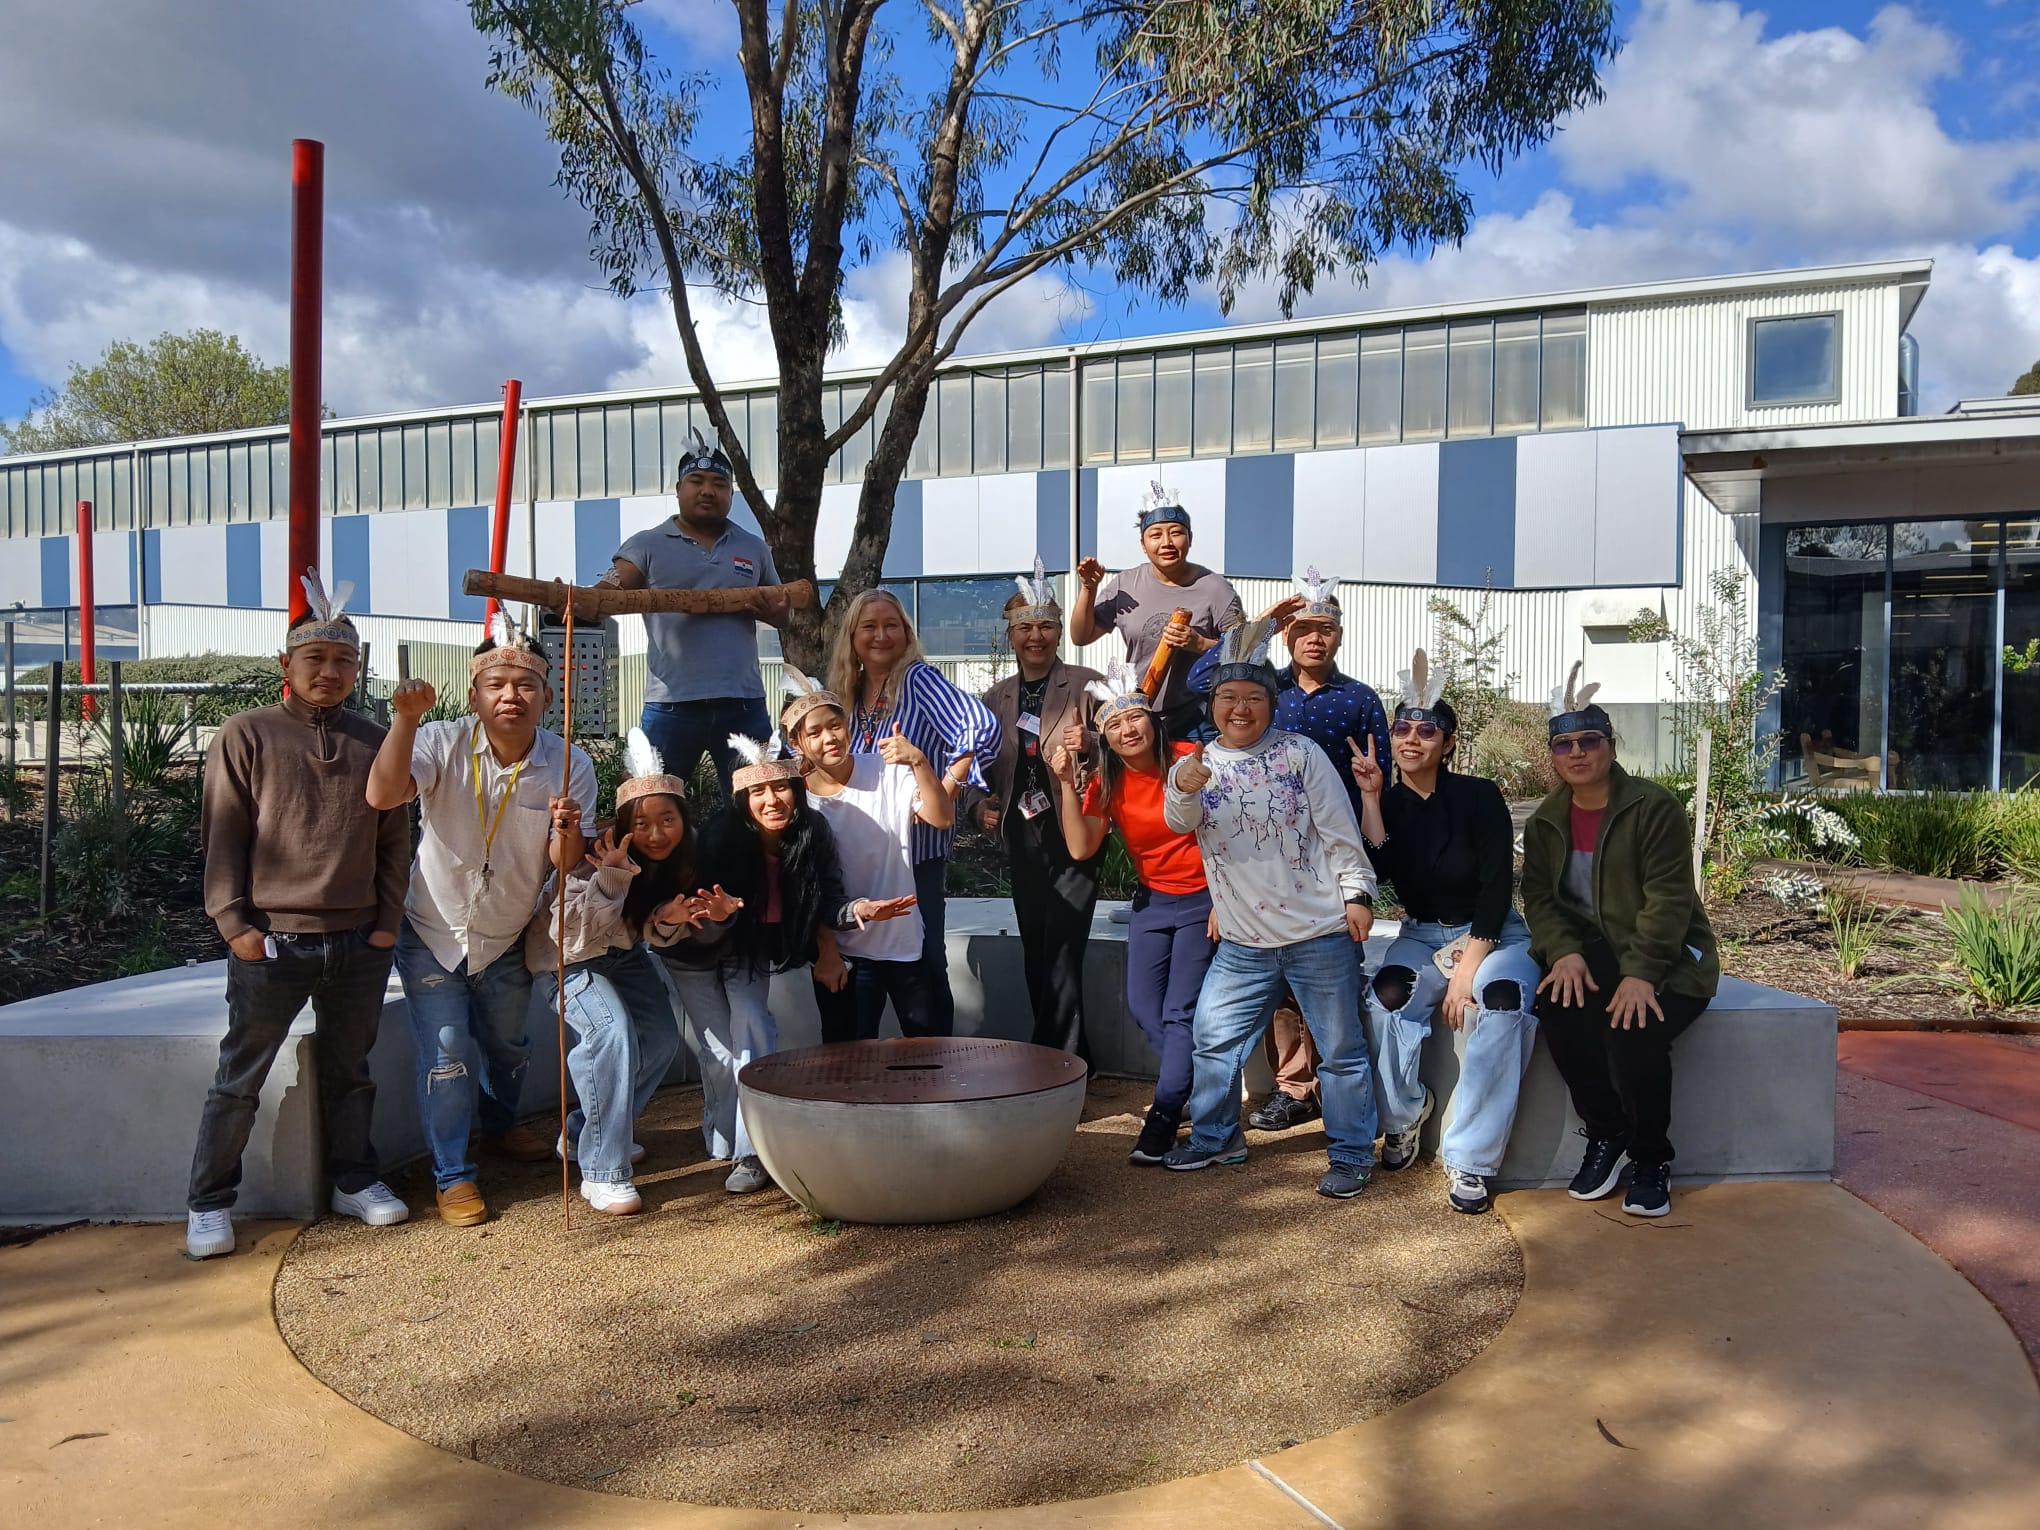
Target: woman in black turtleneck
x=1446, y=843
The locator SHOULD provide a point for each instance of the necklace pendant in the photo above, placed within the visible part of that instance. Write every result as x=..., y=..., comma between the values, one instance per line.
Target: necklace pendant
x=486, y=874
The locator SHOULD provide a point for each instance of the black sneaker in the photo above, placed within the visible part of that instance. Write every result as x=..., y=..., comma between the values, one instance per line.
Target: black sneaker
x=1650, y=1190
x=1399, y=1149
x=1186, y=1155
x=1342, y=1182
x=1281, y=1111
x=1600, y=1168
x=1157, y=1136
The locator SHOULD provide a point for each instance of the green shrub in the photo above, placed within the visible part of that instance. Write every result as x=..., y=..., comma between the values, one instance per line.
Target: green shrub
x=2016, y=829
x=103, y=857
x=1856, y=925
x=1935, y=834
x=1997, y=949
x=238, y=681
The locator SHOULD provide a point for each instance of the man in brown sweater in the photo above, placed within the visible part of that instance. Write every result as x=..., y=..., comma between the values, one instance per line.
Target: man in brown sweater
x=306, y=883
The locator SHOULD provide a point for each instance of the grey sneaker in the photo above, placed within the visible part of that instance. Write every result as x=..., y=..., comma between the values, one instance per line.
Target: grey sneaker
x=1399, y=1149
x=373, y=1205
x=208, y=1234
x=746, y=1175
x=1342, y=1182
x=1467, y=1192
x=1186, y=1156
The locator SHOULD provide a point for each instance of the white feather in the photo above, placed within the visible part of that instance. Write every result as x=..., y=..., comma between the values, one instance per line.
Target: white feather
x=1246, y=644
x=794, y=683
x=315, y=594
x=502, y=630
x=752, y=751
x=336, y=604
x=1026, y=590
x=639, y=757
x=1315, y=586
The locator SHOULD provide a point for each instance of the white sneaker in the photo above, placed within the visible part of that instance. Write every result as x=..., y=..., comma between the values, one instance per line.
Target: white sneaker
x=616, y=1198
x=745, y=1176
x=373, y=1205
x=564, y=1149
x=1467, y=1192
x=208, y=1234
x=1399, y=1149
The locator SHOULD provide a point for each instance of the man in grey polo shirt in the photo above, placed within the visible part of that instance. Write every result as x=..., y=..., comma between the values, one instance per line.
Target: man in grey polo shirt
x=701, y=672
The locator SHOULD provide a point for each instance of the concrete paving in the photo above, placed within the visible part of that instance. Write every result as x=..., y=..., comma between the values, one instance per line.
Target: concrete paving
x=1769, y=1355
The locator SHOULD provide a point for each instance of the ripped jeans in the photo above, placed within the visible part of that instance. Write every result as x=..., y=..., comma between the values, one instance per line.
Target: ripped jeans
x=1401, y=1002
x=447, y=1008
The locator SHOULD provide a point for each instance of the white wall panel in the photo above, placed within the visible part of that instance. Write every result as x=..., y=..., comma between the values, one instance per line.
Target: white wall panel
x=113, y=573
x=195, y=565
x=1330, y=511
x=21, y=571
x=1198, y=486
x=276, y=564
x=1637, y=486
x=1006, y=508
x=949, y=526
x=1555, y=508
x=838, y=519
x=407, y=570
x=639, y=512
x=1399, y=537
x=555, y=528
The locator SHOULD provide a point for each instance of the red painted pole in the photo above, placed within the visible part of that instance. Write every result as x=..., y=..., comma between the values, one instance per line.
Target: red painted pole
x=506, y=467
x=87, y=645
x=307, y=262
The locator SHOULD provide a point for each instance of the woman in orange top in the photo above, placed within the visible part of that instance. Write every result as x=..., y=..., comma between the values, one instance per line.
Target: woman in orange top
x=1169, y=940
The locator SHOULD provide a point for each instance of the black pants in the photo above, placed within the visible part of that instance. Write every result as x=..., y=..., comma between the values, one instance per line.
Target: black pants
x=856, y=1013
x=931, y=897
x=1620, y=1081
x=345, y=978
x=1053, y=899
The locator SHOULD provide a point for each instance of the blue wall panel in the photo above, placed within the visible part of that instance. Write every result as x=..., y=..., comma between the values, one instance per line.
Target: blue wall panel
x=244, y=566
x=56, y=571
x=1052, y=517
x=467, y=546
x=152, y=567
x=903, y=552
x=350, y=560
x=1477, y=511
x=1087, y=512
x=1260, y=518
x=598, y=532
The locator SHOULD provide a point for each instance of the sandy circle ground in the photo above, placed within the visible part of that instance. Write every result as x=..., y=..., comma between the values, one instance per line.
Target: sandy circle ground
x=1123, y=1327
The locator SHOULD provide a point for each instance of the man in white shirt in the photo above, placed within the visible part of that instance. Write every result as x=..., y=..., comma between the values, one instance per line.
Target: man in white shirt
x=1292, y=895
x=485, y=787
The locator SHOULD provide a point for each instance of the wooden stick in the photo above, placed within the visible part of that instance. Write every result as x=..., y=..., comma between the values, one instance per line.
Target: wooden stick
x=560, y=929
x=594, y=601
x=1158, y=666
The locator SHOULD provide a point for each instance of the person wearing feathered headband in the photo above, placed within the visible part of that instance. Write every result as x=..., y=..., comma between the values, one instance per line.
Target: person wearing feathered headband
x=1053, y=894
x=1621, y=932
x=1140, y=605
x=702, y=681
x=305, y=883
x=1315, y=698
x=492, y=832
x=1292, y=896
x=1446, y=843
x=1168, y=936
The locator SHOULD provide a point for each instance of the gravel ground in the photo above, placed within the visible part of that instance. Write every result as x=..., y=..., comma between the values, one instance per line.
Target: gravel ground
x=1124, y=1327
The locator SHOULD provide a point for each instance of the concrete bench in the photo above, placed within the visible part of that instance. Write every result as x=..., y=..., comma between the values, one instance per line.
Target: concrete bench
x=100, y=1087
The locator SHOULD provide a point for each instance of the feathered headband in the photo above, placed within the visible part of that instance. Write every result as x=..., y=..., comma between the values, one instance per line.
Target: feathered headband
x=644, y=772
x=329, y=623
x=1041, y=605
x=1572, y=708
x=1243, y=655
x=512, y=649
x=759, y=764
x=802, y=697
x=1158, y=505
x=1421, y=687
x=700, y=457
x=1320, y=597
x=1118, y=692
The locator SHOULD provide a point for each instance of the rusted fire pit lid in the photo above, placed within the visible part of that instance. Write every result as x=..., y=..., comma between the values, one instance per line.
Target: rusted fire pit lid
x=922, y=1070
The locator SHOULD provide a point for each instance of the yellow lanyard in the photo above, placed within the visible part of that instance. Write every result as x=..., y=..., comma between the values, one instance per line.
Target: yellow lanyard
x=489, y=825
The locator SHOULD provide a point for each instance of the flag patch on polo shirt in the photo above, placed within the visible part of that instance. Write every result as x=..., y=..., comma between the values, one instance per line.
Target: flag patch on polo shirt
x=745, y=567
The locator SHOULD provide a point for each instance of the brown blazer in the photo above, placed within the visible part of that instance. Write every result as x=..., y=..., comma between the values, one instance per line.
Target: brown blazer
x=1062, y=704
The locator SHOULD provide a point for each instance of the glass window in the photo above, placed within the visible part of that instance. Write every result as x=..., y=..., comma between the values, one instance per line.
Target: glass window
x=764, y=439
x=1295, y=370
x=1338, y=388
x=1136, y=419
x=644, y=474
x=488, y=437
x=217, y=501
x=2021, y=685
x=439, y=464
x=1253, y=397
x=1380, y=386
x=1515, y=375
x=1097, y=422
x=1172, y=405
x=1423, y=401
x=1470, y=388
x=1055, y=417
x=672, y=439
x=239, y=496
x=367, y=445
x=1795, y=360
x=856, y=451
x=1212, y=409
x=832, y=418
x=959, y=618
x=955, y=425
x=1564, y=403
x=556, y=456
x=921, y=461
x=1023, y=418
x=1831, y=711
x=279, y=480
x=988, y=423
x=1943, y=653
x=411, y=465
x=593, y=477
x=329, y=474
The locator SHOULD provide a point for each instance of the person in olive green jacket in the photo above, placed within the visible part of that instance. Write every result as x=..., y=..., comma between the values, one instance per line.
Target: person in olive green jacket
x=1629, y=957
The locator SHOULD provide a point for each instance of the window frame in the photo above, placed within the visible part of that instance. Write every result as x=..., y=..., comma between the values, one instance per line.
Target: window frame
x=1750, y=399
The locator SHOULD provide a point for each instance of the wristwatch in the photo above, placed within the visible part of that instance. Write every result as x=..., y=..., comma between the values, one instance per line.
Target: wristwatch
x=1365, y=900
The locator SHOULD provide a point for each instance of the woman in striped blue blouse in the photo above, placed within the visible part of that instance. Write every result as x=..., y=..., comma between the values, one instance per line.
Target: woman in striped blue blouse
x=878, y=668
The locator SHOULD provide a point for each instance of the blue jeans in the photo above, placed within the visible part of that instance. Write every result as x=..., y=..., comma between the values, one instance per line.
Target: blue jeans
x=729, y=1023
x=1167, y=955
x=1497, y=1044
x=1239, y=995
x=683, y=731
x=932, y=898
x=447, y=1008
x=624, y=1041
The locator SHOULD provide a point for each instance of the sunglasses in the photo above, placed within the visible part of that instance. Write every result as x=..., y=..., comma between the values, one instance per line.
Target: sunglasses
x=1584, y=743
x=1403, y=728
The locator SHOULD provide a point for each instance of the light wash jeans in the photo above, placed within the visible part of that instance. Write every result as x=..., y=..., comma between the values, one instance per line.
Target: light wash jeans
x=625, y=1039
x=1325, y=974
x=729, y=1022
x=1497, y=1048
x=446, y=1008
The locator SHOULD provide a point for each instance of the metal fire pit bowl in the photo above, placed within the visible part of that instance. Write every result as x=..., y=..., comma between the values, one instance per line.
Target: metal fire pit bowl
x=928, y=1129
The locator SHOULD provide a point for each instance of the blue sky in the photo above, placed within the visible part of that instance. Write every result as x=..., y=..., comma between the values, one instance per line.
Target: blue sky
x=1734, y=138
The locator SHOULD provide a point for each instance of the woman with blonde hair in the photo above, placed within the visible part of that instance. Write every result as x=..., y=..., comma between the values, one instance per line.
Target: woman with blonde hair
x=877, y=667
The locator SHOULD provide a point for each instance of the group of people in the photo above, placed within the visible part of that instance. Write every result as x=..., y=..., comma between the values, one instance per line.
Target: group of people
x=1256, y=806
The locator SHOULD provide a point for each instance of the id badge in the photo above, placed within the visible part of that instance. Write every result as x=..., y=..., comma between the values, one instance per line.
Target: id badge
x=1033, y=804
x=1029, y=723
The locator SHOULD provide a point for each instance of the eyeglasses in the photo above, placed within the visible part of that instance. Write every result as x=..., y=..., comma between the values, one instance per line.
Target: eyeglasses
x=1403, y=728
x=1585, y=743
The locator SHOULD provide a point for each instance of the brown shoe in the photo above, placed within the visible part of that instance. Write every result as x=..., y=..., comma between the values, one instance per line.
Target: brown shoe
x=522, y=1144
x=461, y=1205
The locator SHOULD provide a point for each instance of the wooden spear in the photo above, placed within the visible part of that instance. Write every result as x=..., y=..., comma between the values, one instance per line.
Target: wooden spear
x=596, y=601
x=560, y=924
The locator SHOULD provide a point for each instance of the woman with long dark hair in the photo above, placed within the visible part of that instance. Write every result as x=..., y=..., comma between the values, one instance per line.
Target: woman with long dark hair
x=772, y=856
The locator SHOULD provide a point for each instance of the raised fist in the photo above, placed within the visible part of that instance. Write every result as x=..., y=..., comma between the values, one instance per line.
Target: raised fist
x=412, y=699
x=1091, y=571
